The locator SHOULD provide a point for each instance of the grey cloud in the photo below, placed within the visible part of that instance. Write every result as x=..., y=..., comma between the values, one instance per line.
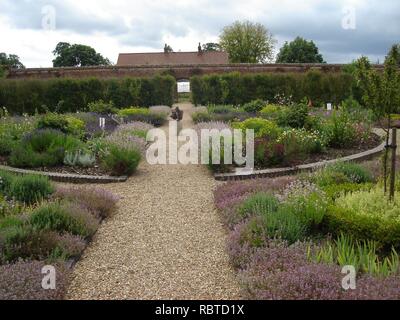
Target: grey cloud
x=27, y=14
x=378, y=26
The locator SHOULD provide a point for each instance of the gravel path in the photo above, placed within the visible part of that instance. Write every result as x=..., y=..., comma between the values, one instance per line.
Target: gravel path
x=165, y=242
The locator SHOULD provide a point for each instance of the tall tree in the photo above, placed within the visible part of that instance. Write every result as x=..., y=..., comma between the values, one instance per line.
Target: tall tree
x=10, y=61
x=77, y=55
x=211, y=47
x=395, y=53
x=299, y=51
x=381, y=93
x=247, y=42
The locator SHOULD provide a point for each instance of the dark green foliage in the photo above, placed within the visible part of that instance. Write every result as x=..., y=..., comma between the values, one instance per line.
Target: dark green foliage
x=6, y=179
x=238, y=89
x=10, y=61
x=299, y=51
x=340, y=130
x=29, y=96
x=43, y=148
x=23, y=242
x=77, y=55
x=53, y=121
x=258, y=204
x=120, y=161
x=66, y=124
x=102, y=107
x=254, y=106
x=294, y=116
x=30, y=188
x=63, y=218
x=333, y=191
x=199, y=117
x=342, y=173
x=339, y=221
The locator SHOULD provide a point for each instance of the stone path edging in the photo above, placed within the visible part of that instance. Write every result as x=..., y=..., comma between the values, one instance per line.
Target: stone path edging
x=277, y=172
x=65, y=177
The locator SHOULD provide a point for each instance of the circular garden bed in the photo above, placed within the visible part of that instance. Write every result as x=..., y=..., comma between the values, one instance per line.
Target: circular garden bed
x=103, y=143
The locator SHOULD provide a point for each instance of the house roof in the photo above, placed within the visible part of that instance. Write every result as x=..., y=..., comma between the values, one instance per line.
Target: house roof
x=172, y=58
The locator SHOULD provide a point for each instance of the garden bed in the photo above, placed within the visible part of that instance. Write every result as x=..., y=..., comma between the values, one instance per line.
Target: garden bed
x=290, y=237
x=42, y=224
x=95, y=146
x=306, y=166
x=290, y=135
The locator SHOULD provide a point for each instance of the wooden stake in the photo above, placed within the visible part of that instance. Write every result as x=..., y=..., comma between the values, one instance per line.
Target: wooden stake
x=393, y=168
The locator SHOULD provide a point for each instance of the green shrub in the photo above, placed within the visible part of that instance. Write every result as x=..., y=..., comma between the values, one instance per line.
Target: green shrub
x=270, y=111
x=372, y=202
x=10, y=221
x=133, y=111
x=44, y=140
x=6, y=145
x=362, y=226
x=6, y=180
x=254, y=106
x=285, y=224
x=27, y=96
x=299, y=143
x=44, y=148
x=64, y=218
x=11, y=132
x=102, y=107
x=143, y=115
x=340, y=130
x=294, y=116
x=238, y=89
x=270, y=219
x=120, y=161
x=63, y=123
x=25, y=157
x=355, y=172
x=341, y=173
x=199, y=117
x=53, y=121
x=334, y=191
x=30, y=188
x=27, y=243
x=261, y=127
x=310, y=208
x=258, y=204
x=75, y=126
x=23, y=242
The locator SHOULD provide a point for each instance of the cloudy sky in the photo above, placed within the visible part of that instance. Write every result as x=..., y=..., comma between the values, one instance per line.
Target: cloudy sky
x=342, y=29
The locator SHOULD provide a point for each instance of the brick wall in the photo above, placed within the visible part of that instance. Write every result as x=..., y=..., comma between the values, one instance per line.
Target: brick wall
x=179, y=72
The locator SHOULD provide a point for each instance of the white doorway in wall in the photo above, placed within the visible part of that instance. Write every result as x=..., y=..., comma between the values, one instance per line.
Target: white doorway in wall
x=184, y=86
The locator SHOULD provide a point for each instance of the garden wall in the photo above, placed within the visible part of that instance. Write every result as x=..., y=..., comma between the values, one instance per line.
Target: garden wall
x=237, y=89
x=72, y=95
x=184, y=71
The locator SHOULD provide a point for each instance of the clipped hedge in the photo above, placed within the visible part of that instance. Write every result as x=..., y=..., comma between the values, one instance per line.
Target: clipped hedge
x=339, y=221
x=239, y=89
x=72, y=95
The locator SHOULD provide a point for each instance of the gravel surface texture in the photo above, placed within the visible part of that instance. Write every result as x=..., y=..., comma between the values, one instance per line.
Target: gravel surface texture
x=165, y=242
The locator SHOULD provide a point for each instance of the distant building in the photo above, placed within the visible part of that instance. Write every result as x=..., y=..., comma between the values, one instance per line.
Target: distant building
x=172, y=58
